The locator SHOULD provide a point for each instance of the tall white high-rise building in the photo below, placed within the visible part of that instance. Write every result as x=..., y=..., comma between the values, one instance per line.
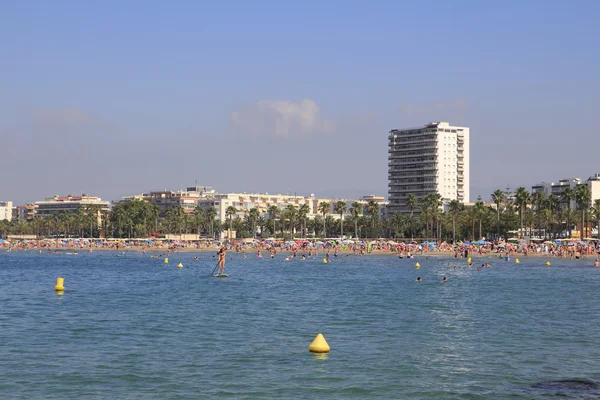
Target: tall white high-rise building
x=430, y=159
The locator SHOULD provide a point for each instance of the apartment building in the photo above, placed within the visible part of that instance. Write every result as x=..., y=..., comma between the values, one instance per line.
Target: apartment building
x=433, y=158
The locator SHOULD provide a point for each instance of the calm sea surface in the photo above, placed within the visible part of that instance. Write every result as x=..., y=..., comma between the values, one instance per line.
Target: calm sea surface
x=130, y=327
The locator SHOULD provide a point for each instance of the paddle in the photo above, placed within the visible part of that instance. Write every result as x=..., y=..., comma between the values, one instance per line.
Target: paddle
x=213, y=272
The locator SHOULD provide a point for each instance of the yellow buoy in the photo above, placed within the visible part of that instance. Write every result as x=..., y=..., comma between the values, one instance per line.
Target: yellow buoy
x=324, y=261
x=548, y=263
x=180, y=265
x=319, y=345
x=469, y=260
x=166, y=260
x=517, y=261
x=417, y=265
x=60, y=284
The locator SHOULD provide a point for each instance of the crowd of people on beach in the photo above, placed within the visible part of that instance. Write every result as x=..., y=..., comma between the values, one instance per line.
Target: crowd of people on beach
x=502, y=249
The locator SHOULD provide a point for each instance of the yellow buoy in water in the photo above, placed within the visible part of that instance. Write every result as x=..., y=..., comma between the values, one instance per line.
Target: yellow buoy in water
x=166, y=260
x=324, y=261
x=180, y=265
x=547, y=263
x=417, y=265
x=517, y=261
x=319, y=345
x=60, y=284
x=469, y=260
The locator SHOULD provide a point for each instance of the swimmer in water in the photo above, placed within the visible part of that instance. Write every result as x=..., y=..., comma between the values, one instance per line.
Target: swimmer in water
x=454, y=268
x=419, y=279
x=445, y=279
x=596, y=263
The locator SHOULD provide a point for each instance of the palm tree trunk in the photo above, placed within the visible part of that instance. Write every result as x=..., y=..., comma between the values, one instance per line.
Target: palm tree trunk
x=453, y=229
x=497, y=221
x=582, y=224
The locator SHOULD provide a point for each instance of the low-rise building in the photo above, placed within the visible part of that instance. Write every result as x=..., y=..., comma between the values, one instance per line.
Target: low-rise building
x=6, y=210
x=24, y=213
x=71, y=204
x=557, y=188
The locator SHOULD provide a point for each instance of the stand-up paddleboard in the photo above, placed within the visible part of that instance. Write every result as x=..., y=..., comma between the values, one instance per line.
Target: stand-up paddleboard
x=221, y=276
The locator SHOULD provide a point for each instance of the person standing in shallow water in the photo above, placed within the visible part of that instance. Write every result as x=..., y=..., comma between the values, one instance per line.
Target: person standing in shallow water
x=221, y=253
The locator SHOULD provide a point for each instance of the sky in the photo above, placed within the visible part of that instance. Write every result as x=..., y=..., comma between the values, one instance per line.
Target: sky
x=115, y=98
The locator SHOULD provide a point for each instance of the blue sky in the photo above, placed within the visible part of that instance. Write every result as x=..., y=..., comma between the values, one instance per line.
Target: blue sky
x=118, y=97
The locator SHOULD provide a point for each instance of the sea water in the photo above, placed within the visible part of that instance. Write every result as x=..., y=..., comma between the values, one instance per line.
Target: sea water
x=129, y=326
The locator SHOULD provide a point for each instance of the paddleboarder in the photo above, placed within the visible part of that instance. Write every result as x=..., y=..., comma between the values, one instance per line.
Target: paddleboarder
x=221, y=264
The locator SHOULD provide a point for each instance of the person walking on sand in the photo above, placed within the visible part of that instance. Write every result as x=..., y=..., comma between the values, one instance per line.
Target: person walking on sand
x=221, y=253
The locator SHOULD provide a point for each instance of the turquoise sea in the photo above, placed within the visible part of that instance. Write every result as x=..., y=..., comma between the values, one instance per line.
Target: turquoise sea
x=130, y=327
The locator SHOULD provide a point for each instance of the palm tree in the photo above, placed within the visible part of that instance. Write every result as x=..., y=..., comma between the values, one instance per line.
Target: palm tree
x=211, y=213
x=253, y=215
x=355, y=211
x=552, y=204
x=522, y=198
x=596, y=211
x=397, y=222
x=273, y=212
x=479, y=211
x=454, y=206
x=498, y=199
x=411, y=203
x=372, y=209
x=303, y=212
x=583, y=197
x=340, y=208
x=567, y=195
x=230, y=212
x=290, y=213
x=324, y=208
x=540, y=201
x=198, y=218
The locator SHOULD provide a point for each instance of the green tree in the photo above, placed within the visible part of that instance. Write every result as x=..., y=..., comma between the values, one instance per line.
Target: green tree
x=372, y=210
x=355, y=211
x=522, y=199
x=411, y=203
x=290, y=214
x=480, y=212
x=498, y=199
x=273, y=213
x=324, y=208
x=397, y=222
x=340, y=208
x=303, y=212
x=253, y=215
x=568, y=195
x=596, y=213
x=454, y=207
x=211, y=213
x=583, y=198
x=230, y=212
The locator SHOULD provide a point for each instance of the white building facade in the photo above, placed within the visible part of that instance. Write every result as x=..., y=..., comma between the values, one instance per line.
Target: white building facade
x=6, y=210
x=433, y=158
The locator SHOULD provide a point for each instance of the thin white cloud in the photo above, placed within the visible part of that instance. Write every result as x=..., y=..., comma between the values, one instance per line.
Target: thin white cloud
x=282, y=119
